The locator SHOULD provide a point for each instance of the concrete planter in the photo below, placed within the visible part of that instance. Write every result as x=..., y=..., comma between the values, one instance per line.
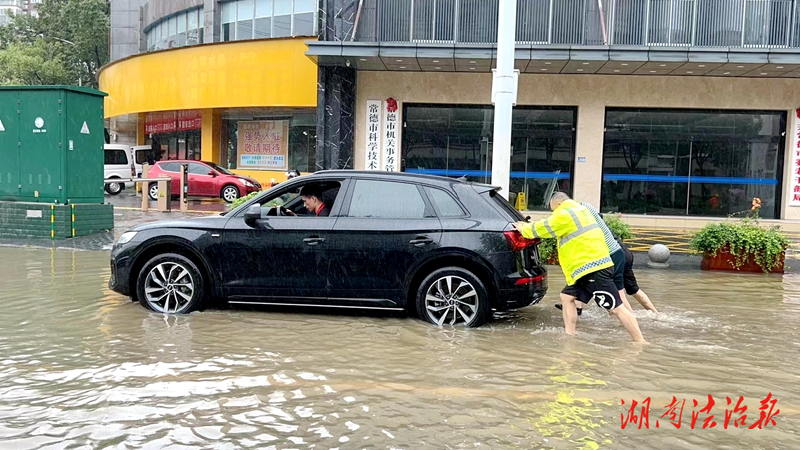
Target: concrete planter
x=725, y=261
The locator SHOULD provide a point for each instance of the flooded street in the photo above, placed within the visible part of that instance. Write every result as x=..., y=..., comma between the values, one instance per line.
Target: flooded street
x=83, y=367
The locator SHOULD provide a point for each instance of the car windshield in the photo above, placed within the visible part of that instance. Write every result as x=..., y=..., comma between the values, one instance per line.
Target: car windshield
x=220, y=169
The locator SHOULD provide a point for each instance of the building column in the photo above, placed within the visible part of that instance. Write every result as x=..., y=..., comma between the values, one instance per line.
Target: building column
x=141, y=134
x=211, y=135
x=588, y=177
x=336, y=106
x=211, y=21
x=790, y=171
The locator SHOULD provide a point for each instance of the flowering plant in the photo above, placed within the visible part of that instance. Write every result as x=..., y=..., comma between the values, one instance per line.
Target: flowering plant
x=743, y=239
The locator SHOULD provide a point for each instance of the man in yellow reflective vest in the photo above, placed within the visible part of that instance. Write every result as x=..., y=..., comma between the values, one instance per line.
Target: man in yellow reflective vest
x=585, y=260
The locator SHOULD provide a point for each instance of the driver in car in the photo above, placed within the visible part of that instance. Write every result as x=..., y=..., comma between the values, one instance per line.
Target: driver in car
x=312, y=199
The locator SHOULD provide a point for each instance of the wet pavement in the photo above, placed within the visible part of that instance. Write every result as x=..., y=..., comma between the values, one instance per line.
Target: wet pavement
x=85, y=368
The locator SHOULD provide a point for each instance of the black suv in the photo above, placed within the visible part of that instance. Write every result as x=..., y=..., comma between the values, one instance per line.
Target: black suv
x=440, y=247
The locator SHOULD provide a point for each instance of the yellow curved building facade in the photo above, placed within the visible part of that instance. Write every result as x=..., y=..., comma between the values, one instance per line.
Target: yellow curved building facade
x=220, y=85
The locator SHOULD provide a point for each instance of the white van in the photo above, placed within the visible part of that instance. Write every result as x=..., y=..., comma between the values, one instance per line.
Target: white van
x=120, y=163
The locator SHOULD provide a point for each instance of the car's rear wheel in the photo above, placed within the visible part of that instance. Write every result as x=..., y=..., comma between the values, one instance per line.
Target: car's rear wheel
x=170, y=284
x=114, y=188
x=453, y=296
x=229, y=193
x=152, y=191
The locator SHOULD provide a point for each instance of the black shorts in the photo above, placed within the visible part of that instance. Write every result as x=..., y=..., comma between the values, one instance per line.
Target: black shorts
x=598, y=286
x=619, y=269
x=628, y=278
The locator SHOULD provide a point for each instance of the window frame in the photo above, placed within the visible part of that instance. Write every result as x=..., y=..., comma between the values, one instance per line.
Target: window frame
x=428, y=213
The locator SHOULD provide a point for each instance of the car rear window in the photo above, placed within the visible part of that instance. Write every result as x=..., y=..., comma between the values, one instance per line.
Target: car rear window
x=447, y=206
x=505, y=206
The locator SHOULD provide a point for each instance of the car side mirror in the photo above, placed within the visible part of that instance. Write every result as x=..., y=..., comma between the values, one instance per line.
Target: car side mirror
x=252, y=215
x=212, y=173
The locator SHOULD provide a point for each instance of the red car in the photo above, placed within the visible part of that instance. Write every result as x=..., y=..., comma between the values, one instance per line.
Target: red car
x=205, y=180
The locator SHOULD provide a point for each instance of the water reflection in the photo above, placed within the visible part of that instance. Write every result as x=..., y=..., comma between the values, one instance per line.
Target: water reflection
x=82, y=367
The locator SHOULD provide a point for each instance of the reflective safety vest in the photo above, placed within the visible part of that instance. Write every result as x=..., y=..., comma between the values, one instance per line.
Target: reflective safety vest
x=582, y=247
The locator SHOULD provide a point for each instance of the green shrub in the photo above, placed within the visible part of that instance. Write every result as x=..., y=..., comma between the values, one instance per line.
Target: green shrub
x=241, y=200
x=620, y=229
x=547, y=250
x=742, y=239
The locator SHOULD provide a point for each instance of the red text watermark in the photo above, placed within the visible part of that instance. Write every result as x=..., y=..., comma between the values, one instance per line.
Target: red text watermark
x=638, y=414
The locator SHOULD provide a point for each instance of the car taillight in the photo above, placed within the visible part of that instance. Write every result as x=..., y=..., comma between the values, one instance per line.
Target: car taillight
x=531, y=280
x=518, y=242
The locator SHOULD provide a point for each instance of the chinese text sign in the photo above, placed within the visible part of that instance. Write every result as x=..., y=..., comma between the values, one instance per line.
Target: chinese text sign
x=263, y=144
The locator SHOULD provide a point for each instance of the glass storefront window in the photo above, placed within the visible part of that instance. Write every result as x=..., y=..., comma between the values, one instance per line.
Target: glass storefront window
x=301, y=153
x=692, y=162
x=456, y=141
x=178, y=145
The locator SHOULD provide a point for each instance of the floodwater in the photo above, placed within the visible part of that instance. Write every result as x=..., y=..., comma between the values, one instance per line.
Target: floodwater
x=84, y=368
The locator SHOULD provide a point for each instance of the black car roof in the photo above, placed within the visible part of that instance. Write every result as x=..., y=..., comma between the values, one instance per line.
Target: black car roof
x=376, y=174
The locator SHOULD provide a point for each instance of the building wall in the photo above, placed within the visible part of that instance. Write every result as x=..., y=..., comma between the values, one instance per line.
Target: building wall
x=258, y=73
x=591, y=94
x=125, y=28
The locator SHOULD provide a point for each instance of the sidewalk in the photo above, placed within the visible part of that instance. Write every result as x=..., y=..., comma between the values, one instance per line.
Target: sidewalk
x=128, y=213
x=678, y=241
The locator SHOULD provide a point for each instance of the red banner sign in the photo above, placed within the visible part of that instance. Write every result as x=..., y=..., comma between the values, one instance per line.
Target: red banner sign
x=190, y=119
x=171, y=121
x=160, y=122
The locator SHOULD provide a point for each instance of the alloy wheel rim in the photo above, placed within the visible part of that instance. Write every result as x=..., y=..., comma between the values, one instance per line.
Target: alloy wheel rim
x=169, y=288
x=154, y=192
x=113, y=187
x=229, y=194
x=451, y=300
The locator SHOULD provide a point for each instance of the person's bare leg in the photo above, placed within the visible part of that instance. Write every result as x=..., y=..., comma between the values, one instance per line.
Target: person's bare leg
x=628, y=320
x=625, y=300
x=644, y=300
x=569, y=312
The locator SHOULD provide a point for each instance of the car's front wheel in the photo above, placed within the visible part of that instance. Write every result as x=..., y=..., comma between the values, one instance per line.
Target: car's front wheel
x=229, y=193
x=170, y=284
x=453, y=296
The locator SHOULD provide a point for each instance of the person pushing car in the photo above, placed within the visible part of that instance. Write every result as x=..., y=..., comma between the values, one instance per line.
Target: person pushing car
x=585, y=260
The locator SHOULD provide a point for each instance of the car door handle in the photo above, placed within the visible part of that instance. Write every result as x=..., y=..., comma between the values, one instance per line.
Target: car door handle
x=313, y=240
x=420, y=241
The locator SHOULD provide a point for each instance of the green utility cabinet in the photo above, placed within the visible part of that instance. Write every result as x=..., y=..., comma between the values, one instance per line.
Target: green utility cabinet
x=51, y=144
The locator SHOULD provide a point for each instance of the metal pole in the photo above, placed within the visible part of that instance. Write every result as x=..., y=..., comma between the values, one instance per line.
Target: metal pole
x=504, y=94
x=603, y=22
x=358, y=16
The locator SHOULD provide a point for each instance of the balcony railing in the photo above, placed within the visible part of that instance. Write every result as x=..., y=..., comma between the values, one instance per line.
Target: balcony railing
x=696, y=23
